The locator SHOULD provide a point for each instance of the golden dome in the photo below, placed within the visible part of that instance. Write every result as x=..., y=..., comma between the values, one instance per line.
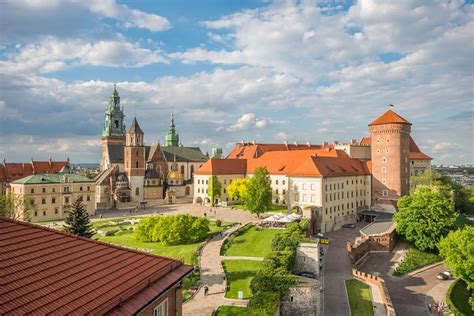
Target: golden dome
x=175, y=175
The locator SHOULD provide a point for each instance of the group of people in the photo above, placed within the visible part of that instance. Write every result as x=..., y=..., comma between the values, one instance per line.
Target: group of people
x=437, y=307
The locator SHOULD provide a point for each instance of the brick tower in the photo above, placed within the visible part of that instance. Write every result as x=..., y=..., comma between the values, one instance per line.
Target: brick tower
x=390, y=138
x=134, y=161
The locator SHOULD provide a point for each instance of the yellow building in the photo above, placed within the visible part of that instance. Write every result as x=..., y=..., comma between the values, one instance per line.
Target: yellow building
x=54, y=193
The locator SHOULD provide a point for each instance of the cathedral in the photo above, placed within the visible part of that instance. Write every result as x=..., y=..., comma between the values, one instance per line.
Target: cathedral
x=134, y=174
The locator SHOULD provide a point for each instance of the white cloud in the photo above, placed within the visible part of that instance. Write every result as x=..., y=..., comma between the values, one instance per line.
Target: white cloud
x=53, y=54
x=131, y=18
x=282, y=135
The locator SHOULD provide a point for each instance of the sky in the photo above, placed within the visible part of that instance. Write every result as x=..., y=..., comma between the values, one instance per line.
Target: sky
x=269, y=71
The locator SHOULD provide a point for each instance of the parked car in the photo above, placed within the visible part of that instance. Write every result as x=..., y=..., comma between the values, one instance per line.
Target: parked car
x=445, y=275
x=349, y=226
x=307, y=275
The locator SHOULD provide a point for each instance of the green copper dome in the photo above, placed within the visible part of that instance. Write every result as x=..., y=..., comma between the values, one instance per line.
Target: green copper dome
x=172, y=138
x=114, y=117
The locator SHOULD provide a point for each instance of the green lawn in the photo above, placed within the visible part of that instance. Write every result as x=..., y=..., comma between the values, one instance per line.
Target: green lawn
x=462, y=221
x=182, y=252
x=239, y=274
x=231, y=311
x=458, y=298
x=255, y=242
x=360, y=298
x=416, y=259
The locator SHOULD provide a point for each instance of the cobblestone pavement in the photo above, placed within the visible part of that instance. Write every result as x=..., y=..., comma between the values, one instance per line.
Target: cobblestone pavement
x=336, y=269
x=241, y=258
x=212, y=275
x=409, y=294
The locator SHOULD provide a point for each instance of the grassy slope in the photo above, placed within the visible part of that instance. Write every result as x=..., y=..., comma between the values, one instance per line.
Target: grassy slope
x=462, y=221
x=183, y=252
x=239, y=274
x=253, y=243
x=360, y=298
x=231, y=311
x=416, y=259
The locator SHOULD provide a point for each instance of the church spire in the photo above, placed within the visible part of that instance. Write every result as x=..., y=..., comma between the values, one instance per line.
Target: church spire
x=114, y=117
x=172, y=138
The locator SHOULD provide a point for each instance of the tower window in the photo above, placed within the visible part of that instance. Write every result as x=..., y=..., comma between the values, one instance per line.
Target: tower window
x=137, y=164
x=116, y=123
x=137, y=191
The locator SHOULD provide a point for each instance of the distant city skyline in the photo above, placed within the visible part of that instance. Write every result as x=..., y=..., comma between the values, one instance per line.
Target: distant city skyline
x=229, y=71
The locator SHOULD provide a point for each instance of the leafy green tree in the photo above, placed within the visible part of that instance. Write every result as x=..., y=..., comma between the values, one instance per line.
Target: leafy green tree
x=425, y=216
x=426, y=178
x=215, y=189
x=145, y=230
x=457, y=249
x=259, y=197
x=17, y=207
x=77, y=221
x=238, y=189
x=461, y=196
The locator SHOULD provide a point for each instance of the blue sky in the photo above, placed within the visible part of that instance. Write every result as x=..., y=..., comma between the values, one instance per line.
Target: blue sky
x=268, y=71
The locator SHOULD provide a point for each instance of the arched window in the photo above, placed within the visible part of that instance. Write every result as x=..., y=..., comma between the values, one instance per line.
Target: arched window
x=137, y=191
x=182, y=169
x=192, y=169
x=137, y=164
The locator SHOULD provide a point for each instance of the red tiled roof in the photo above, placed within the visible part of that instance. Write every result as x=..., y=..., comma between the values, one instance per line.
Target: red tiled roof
x=325, y=162
x=11, y=171
x=246, y=151
x=44, y=271
x=415, y=152
x=223, y=166
x=388, y=118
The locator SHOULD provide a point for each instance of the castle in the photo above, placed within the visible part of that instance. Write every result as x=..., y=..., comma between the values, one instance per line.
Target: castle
x=338, y=181
x=132, y=173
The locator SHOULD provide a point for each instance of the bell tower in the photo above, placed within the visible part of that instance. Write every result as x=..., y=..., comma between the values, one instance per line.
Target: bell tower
x=390, y=138
x=172, y=138
x=134, y=160
x=113, y=131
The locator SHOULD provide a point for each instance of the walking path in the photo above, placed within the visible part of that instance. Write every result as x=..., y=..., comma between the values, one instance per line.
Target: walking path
x=241, y=258
x=377, y=301
x=438, y=292
x=212, y=275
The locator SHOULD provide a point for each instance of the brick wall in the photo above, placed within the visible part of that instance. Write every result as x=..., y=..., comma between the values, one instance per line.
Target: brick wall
x=380, y=283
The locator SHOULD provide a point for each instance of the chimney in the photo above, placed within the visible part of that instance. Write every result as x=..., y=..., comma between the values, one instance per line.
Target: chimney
x=296, y=143
x=336, y=142
x=353, y=141
x=325, y=143
x=286, y=144
x=253, y=142
x=308, y=144
x=49, y=162
x=242, y=142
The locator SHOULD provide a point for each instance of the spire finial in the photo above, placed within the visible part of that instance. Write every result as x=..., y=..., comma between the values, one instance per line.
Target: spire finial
x=115, y=86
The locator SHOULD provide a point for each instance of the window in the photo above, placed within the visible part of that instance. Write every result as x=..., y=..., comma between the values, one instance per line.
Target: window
x=66, y=189
x=313, y=186
x=116, y=123
x=54, y=190
x=44, y=190
x=276, y=201
x=44, y=213
x=56, y=211
x=32, y=190
x=137, y=191
x=313, y=198
x=276, y=191
x=385, y=193
x=88, y=188
x=304, y=186
x=276, y=182
x=136, y=153
x=283, y=182
x=53, y=200
x=36, y=213
x=80, y=188
x=136, y=164
x=384, y=159
x=80, y=198
x=304, y=197
x=162, y=309
x=66, y=200
x=283, y=192
x=384, y=169
x=384, y=181
x=43, y=201
x=88, y=198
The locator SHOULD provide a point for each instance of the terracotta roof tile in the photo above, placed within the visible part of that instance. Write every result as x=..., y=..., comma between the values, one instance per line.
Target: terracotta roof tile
x=246, y=151
x=11, y=171
x=388, y=118
x=223, y=166
x=46, y=271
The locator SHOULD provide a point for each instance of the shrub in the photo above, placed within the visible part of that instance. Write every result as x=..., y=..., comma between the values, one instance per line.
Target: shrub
x=173, y=230
x=458, y=298
x=110, y=232
x=218, y=223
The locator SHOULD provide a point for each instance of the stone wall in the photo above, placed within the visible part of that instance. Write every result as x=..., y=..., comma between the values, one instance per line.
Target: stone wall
x=307, y=258
x=301, y=300
x=380, y=283
x=365, y=244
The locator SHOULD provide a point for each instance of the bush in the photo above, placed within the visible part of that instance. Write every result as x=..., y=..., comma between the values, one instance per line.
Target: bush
x=173, y=230
x=110, y=232
x=218, y=223
x=415, y=259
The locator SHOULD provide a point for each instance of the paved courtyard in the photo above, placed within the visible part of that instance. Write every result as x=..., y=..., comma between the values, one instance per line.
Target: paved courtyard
x=336, y=269
x=410, y=294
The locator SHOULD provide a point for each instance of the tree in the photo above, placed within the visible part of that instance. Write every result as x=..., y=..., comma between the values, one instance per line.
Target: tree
x=77, y=221
x=426, y=178
x=16, y=206
x=425, y=216
x=457, y=249
x=460, y=195
x=238, y=189
x=259, y=198
x=215, y=189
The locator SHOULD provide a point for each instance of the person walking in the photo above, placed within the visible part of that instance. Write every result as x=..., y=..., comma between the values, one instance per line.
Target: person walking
x=206, y=290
